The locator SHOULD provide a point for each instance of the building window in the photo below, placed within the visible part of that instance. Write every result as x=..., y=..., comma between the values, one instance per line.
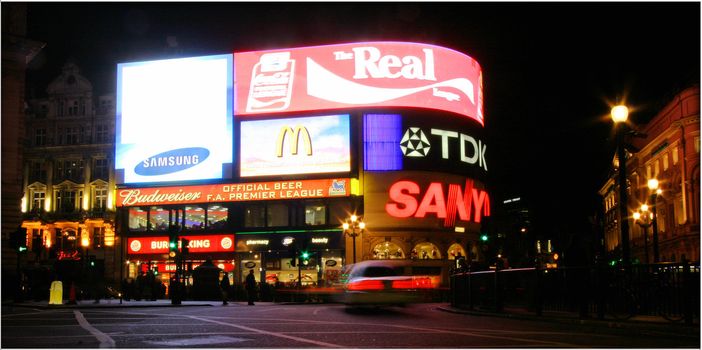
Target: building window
x=194, y=218
x=138, y=219
x=38, y=199
x=40, y=137
x=656, y=168
x=65, y=201
x=69, y=170
x=158, y=218
x=315, y=214
x=100, y=169
x=697, y=144
x=665, y=162
x=675, y=156
x=100, y=202
x=255, y=215
x=388, y=250
x=36, y=172
x=216, y=216
x=98, y=237
x=74, y=135
x=73, y=108
x=277, y=215
x=648, y=171
x=82, y=107
x=61, y=106
x=101, y=134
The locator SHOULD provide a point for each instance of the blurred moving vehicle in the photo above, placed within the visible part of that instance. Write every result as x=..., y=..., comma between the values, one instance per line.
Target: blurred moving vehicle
x=386, y=282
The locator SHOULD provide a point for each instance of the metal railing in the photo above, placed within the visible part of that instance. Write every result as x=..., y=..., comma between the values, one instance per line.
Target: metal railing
x=669, y=290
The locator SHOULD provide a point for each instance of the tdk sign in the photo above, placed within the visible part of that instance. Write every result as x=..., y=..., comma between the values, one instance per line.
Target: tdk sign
x=172, y=161
x=415, y=143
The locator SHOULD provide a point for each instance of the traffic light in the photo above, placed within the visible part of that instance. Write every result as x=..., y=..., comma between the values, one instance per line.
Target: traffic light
x=155, y=270
x=172, y=242
x=18, y=239
x=484, y=237
x=305, y=258
x=184, y=245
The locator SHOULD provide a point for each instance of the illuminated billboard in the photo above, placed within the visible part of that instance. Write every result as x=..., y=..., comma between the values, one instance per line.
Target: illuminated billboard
x=197, y=244
x=174, y=120
x=295, y=146
x=236, y=192
x=366, y=74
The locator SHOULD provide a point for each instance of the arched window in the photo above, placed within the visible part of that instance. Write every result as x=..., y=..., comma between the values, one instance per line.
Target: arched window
x=426, y=250
x=456, y=251
x=388, y=250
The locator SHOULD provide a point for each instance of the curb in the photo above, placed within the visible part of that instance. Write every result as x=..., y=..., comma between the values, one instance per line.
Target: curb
x=624, y=326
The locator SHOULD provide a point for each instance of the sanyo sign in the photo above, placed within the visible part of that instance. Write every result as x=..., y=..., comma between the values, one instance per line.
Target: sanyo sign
x=385, y=74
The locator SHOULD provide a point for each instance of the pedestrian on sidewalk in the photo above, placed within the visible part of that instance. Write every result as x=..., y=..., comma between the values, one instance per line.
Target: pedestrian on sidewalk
x=225, y=286
x=250, y=285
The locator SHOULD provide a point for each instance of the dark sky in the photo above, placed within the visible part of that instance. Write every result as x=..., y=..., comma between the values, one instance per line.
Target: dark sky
x=550, y=69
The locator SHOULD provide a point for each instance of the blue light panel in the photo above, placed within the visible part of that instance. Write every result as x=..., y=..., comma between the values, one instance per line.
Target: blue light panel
x=381, y=142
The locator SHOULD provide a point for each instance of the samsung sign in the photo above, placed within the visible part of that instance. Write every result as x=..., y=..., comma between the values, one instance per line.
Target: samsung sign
x=174, y=119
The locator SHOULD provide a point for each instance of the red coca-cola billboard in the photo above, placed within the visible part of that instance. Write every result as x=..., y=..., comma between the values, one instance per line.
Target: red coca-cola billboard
x=392, y=74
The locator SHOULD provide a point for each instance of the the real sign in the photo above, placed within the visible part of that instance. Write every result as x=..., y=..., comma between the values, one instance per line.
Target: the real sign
x=392, y=74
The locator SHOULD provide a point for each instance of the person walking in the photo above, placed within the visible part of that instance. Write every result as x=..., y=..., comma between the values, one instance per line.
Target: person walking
x=250, y=285
x=224, y=285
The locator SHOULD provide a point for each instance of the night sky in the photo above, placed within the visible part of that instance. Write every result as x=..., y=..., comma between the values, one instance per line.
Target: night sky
x=551, y=70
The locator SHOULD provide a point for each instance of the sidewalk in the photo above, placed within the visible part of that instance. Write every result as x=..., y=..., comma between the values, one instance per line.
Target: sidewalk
x=115, y=303
x=636, y=323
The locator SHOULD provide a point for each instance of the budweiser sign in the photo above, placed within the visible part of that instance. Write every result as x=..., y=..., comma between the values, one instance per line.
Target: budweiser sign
x=392, y=74
x=238, y=192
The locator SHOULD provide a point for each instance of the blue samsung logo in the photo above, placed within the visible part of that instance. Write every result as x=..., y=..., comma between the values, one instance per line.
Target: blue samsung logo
x=172, y=161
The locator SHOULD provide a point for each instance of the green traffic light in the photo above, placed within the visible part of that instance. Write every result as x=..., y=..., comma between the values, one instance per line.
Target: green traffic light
x=305, y=255
x=172, y=245
x=484, y=238
x=21, y=249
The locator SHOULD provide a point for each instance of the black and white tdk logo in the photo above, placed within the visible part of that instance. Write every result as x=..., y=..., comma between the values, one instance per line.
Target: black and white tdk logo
x=414, y=143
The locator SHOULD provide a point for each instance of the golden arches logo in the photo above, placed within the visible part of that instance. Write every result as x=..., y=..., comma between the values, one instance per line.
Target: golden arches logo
x=296, y=133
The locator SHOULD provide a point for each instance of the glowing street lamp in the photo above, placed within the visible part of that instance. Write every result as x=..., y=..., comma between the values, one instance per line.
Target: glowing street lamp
x=644, y=219
x=655, y=191
x=619, y=115
x=353, y=227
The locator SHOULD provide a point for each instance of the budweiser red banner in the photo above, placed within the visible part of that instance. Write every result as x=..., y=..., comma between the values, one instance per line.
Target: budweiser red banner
x=393, y=74
x=254, y=191
x=198, y=244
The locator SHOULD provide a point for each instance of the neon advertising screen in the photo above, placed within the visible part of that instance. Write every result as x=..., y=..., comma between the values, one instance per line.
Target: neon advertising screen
x=365, y=74
x=295, y=146
x=174, y=119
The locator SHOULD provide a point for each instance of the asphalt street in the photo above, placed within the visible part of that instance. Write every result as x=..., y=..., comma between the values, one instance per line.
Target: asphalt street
x=268, y=325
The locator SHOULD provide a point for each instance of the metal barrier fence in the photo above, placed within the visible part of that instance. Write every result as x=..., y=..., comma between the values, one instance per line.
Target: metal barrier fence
x=669, y=290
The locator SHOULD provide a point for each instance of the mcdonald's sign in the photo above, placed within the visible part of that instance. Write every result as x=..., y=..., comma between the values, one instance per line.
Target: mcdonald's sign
x=306, y=145
x=295, y=134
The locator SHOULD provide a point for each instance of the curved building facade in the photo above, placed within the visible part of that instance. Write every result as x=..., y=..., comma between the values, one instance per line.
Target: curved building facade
x=257, y=157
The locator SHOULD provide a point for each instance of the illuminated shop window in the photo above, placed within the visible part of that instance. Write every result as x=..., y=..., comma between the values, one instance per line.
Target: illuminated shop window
x=456, y=251
x=158, y=219
x=277, y=214
x=425, y=250
x=137, y=219
x=216, y=216
x=388, y=250
x=194, y=218
x=315, y=214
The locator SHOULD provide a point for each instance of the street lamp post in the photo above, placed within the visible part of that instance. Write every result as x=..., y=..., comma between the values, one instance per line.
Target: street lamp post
x=655, y=191
x=644, y=219
x=619, y=116
x=353, y=227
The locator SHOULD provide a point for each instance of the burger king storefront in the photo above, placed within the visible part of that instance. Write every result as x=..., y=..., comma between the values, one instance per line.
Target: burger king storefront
x=292, y=144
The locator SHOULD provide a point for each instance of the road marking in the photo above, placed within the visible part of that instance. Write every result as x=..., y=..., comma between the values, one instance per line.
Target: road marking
x=217, y=339
x=104, y=339
x=274, y=334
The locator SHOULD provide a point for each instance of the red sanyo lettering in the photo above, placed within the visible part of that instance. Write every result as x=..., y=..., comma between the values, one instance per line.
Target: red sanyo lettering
x=462, y=202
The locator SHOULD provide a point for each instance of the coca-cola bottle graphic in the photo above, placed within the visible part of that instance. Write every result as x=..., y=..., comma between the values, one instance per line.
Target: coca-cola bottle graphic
x=271, y=83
